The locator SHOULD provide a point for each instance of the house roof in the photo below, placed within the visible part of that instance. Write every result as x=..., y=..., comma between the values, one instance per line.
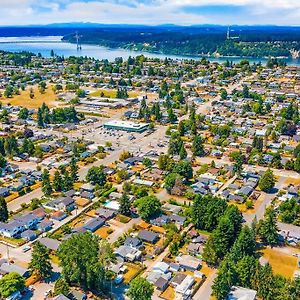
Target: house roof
x=240, y=293
x=147, y=236
x=50, y=243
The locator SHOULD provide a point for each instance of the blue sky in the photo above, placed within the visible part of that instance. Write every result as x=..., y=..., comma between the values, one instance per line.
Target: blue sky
x=152, y=12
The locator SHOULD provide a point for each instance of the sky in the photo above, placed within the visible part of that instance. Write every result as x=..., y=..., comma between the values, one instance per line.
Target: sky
x=151, y=12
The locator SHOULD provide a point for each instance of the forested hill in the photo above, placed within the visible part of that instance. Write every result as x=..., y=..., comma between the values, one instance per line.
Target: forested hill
x=252, y=41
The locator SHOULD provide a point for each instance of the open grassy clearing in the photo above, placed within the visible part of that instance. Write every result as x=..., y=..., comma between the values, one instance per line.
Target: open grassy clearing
x=24, y=99
x=281, y=263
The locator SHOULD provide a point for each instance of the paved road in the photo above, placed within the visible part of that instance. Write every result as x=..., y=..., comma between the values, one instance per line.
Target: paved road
x=205, y=290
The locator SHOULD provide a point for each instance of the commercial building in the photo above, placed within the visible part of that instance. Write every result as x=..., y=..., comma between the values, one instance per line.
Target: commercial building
x=126, y=126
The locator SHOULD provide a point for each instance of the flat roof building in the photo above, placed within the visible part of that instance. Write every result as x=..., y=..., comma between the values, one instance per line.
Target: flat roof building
x=126, y=126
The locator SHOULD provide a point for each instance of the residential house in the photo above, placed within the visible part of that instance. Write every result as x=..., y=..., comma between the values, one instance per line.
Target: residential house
x=148, y=236
x=94, y=224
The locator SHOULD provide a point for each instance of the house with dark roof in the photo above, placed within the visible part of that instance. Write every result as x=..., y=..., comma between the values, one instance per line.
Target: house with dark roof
x=148, y=236
x=105, y=213
x=50, y=243
x=133, y=242
x=45, y=225
x=28, y=235
x=28, y=220
x=11, y=229
x=94, y=224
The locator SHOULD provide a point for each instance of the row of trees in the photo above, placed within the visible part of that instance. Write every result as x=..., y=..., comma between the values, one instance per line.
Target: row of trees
x=241, y=267
x=63, y=180
x=57, y=115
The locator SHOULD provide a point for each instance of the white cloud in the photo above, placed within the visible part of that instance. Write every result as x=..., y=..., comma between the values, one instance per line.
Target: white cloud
x=147, y=12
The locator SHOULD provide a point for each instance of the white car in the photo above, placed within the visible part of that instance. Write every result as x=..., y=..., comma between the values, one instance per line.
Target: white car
x=26, y=248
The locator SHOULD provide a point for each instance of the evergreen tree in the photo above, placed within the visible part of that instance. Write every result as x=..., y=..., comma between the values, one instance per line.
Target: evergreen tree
x=3, y=210
x=58, y=184
x=267, y=181
x=61, y=287
x=267, y=228
x=46, y=184
x=40, y=261
x=182, y=152
x=125, y=205
x=197, y=146
x=74, y=170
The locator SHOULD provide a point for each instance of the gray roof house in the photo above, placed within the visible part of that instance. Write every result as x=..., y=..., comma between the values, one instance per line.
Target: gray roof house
x=11, y=229
x=50, y=243
x=148, y=236
x=94, y=224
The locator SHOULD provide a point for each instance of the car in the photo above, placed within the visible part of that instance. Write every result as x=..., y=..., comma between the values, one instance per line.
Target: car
x=26, y=248
x=119, y=279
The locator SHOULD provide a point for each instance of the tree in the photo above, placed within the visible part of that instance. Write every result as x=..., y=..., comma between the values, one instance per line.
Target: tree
x=3, y=210
x=79, y=259
x=182, y=152
x=184, y=168
x=148, y=207
x=61, y=287
x=267, y=181
x=197, y=146
x=23, y=113
x=40, y=261
x=140, y=289
x=58, y=184
x=96, y=175
x=106, y=253
x=206, y=211
x=46, y=184
x=73, y=170
x=267, y=227
x=11, y=283
x=125, y=205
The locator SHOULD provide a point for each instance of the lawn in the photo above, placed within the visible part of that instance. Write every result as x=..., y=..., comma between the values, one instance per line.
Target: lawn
x=168, y=294
x=281, y=263
x=132, y=271
x=103, y=232
x=111, y=93
x=24, y=100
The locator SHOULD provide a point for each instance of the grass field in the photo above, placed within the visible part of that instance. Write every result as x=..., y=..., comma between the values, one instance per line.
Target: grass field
x=281, y=263
x=111, y=93
x=24, y=100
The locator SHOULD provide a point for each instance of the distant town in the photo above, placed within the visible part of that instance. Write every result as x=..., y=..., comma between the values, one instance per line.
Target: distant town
x=147, y=178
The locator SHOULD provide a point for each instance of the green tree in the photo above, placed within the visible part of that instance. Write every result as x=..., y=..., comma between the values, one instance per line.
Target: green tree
x=3, y=210
x=267, y=181
x=23, y=113
x=184, y=168
x=148, y=206
x=125, y=205
x=40, y=261
x=197, y=146
x=96, y=175
x=267, y=227
x=79, y=259
x=182, y=152
x=3, y=161
x=46, y=184
x=61, y=287
x=74, y=169
x=58, y=183
x=140, y=289
x=11, y=283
